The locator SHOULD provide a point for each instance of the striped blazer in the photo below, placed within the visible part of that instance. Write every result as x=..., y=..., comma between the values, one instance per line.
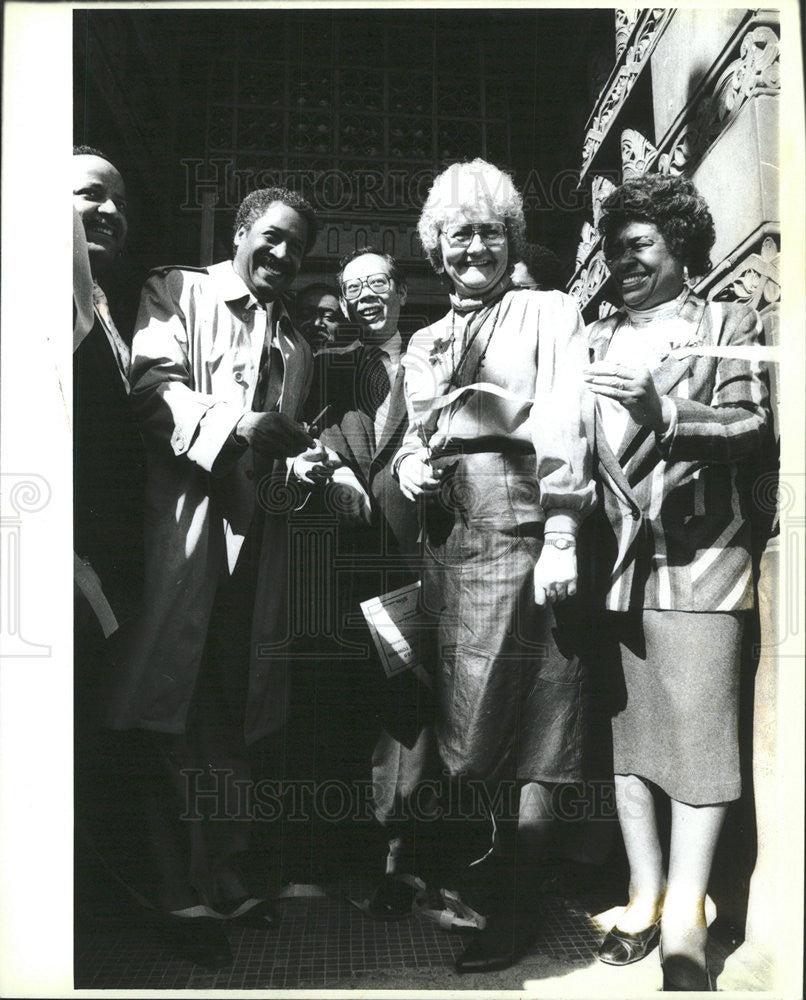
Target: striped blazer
x=674, y=528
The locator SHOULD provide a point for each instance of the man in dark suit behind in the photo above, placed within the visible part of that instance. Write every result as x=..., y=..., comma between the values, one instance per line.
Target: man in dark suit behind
x=108, y=474
x=375, y=552
x=109, y=459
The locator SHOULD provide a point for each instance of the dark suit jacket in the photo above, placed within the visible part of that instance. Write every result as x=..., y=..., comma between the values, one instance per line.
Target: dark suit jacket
x=108, y=474
x=350, y=431
x=384, y=555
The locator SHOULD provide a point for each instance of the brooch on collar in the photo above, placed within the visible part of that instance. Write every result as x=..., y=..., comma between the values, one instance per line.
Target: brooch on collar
x=439, y=347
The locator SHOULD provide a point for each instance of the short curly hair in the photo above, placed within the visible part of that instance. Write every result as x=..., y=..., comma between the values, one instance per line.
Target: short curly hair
x=674, y=206
x=92, y=151
x=257, y=203
x=471, y=185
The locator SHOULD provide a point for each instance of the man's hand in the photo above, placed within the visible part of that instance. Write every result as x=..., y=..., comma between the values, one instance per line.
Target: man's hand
x=273, y=435
x=415, y=475
x=555, y=574
x=316, y=465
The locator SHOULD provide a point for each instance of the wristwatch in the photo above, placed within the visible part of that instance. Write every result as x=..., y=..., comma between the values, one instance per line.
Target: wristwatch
x=560, y=543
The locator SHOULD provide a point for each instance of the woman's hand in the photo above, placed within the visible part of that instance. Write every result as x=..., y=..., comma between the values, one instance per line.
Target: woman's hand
x=634, y=388
x=415, y=475
x=555, y=574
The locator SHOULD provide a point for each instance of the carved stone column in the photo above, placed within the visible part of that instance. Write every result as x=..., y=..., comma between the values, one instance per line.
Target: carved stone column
x=587, y=238
x=637, y=152
x=625, y=22
x=600, y=189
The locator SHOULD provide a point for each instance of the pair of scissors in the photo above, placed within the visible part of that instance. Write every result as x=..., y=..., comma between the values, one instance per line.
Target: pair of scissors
x=313, y=427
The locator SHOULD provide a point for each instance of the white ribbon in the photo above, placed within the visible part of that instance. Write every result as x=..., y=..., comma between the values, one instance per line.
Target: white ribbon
x=747, y=352
x=751, y=352
x=421, y=406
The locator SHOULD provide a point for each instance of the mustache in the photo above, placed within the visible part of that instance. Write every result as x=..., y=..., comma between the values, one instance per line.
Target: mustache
x=276, y=265
x=95, y=225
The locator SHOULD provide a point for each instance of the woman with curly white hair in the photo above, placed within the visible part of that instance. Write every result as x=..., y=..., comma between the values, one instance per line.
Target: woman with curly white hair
x=498, y=459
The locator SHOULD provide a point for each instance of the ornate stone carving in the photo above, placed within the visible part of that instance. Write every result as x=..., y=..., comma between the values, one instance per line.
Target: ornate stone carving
x=606, y=308
x=646, y=34
x=625, y=24
x=589, y=280
x=587, y=239
x=577, y=286
x=755, y=281
x=758, y=67
x=755, y=71
x=637, y=152
x=598, y=274
x=600, y=188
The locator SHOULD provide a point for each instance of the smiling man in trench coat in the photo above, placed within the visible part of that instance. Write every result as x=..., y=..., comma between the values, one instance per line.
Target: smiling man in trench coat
x=219, y=377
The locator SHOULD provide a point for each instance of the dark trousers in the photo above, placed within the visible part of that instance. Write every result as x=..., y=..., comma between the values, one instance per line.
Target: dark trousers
x=199, y=794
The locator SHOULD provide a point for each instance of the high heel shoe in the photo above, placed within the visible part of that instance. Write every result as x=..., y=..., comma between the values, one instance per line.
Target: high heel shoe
x=622, y=948
x=683, y=974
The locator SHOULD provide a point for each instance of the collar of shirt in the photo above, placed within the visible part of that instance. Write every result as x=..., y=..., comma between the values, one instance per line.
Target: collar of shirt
x=391, y=350
x=234, y=291
x=393, y=347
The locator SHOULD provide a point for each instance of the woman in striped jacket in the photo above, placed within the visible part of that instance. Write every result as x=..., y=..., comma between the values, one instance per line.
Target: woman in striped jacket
x=682, y=408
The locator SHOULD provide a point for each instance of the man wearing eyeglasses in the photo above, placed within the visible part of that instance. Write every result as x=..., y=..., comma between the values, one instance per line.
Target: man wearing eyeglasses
x=365, y=428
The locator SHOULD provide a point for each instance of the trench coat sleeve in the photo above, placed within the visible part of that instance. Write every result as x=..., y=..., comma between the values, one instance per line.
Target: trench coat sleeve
x=732, y=425
x=171, y=411
x=562, y=416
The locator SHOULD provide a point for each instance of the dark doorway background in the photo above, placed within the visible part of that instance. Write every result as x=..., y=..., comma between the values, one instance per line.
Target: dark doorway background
x=199, y=107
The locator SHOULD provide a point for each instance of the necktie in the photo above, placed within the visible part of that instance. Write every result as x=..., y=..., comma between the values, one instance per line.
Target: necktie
x=373, y=386
x=270, y=380
x=123, y=355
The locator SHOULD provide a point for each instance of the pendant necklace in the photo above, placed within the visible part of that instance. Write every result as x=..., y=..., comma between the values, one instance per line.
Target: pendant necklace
x=452, y=381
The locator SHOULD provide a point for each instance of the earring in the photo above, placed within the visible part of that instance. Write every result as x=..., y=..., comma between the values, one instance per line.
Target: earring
x=685, y=275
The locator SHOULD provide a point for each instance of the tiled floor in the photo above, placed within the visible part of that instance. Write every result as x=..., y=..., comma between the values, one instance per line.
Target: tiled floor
x=326, y=943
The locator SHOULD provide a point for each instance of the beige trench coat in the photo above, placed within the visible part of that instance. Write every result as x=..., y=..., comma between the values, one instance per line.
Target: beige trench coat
x=195, y=361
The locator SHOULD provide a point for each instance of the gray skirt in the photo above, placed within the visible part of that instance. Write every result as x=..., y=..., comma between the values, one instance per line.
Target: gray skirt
x=677, y=702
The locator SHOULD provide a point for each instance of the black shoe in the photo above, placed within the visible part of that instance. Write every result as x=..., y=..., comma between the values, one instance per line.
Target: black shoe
x=247, y=911
x=501, y=944
x=264, y=916
x=392, y=899
x=484, y=885
x=622, y=948
x=199, y=940
x=683, y=974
